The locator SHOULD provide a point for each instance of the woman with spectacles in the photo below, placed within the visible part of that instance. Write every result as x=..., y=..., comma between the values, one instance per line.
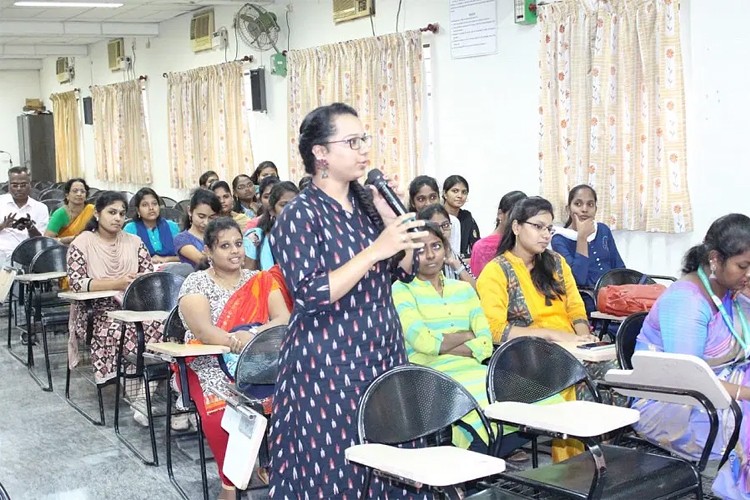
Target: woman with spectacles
x=245, y=198
x=588, y=246
x=528, y=290
x=334, y=242
x=423, y=192
x=455, y=267
x=455, y=195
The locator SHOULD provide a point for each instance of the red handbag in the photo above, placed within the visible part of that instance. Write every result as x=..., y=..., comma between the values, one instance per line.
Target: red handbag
x=624, y=300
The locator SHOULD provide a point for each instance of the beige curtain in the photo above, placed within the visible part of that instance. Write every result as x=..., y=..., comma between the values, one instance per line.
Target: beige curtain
x=121, y=141
x=612, y=110
x=67, y=135
x=379, y=77
x=208, y=124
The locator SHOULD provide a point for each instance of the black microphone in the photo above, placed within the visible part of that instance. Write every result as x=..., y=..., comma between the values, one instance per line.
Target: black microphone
x=375, y=178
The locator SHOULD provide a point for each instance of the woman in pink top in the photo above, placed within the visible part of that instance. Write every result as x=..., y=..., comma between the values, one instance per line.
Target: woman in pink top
x=485, y=249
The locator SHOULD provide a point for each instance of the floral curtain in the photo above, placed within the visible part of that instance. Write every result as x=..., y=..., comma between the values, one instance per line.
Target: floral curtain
x=67, y=125
x=208, y=124
x=612, y=110
x=381, y=78
x=121, y=142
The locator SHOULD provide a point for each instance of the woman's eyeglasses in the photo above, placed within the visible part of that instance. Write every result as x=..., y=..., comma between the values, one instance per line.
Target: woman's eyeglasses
x=539, y=227
x=445, y=225
x=355, y=142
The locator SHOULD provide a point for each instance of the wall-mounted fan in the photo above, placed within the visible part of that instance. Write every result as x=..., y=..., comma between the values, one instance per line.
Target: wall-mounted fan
x=259, y=29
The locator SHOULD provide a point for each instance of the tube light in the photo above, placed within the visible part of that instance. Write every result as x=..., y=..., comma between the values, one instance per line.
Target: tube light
x=81, y=5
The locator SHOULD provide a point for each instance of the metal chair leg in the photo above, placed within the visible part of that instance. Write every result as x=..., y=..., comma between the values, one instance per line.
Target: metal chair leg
x=78, y=408
x=46, y=363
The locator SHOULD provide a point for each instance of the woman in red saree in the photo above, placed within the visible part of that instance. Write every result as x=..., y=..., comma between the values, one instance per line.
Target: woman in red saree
x=212, y=304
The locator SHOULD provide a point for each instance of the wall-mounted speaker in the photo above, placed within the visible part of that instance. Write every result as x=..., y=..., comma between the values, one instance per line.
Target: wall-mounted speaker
x=88, y=111
x=258, y=89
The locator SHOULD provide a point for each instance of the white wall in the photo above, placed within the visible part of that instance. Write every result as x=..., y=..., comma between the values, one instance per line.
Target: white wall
x=485, y=108
x=15, y=87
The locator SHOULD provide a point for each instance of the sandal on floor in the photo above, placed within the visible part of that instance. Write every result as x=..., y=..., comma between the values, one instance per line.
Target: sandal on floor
x=261, y=474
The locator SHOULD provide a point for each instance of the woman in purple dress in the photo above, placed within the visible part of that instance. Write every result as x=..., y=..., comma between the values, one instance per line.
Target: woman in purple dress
x=334, y=243
x=705, y=314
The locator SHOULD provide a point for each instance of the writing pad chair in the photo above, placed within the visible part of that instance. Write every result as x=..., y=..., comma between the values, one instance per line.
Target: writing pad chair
x=529, y=370
x=48, y=309
x=615, y=277
x=680, y=379
x=174, y=331
x=151, y=292
x=416, y=406
x=255, y=378
x=604, y=471
x=21, y=259
x=626, y=336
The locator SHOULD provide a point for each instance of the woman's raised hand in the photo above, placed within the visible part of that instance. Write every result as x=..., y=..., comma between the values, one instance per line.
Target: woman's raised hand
x=397, y=237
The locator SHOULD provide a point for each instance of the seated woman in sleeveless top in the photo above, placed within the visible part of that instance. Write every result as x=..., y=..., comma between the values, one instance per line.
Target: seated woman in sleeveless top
x=204, y=207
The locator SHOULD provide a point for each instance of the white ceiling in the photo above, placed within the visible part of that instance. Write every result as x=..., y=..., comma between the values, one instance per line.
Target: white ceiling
x=33, y=33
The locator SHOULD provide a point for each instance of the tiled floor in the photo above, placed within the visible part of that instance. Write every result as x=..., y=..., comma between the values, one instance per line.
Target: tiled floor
x=48, y=451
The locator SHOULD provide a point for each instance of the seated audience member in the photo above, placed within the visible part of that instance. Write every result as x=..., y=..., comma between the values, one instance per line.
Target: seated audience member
x=485, y=249
x=21, y=216
x=106, y=258
x=245, y=198
x=70, y=220
x=214, y=303
x=207, y=178
x=455, y=194
x=204, y=207
x=455, y=267
x=264, y=169
x=264, y=193
x=705, y=315
x=587, y=245
x=222, y=191
x=445, y=327
x=156, y=232
x=257, y=246
x=423, y=191
x=528, y=290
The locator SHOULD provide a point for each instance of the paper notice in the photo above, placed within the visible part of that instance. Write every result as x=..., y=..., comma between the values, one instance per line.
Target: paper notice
x=473, y=27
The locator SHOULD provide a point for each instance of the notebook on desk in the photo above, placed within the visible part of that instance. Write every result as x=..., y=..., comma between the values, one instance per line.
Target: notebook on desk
x=7, y=276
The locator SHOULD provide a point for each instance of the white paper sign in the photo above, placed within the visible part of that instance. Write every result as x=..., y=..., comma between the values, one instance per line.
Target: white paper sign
x=473, y=27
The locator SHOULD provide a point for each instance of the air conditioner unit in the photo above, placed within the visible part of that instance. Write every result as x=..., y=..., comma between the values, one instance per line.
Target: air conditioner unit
x=115, y=52
x=64, y=70
x=201, y=31
x=346, y=10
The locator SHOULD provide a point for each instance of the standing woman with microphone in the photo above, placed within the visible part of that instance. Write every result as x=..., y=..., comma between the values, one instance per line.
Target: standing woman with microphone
x=334, y=243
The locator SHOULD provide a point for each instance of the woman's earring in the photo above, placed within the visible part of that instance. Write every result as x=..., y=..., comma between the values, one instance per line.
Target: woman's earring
x=713, y=270
x=323, y=166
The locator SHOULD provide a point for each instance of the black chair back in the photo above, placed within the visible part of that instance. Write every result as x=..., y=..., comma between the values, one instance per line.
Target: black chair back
x=621, y=277
x=258, y=363
x=530, y=369
x=172, y=214
x=183, y=206
x=50, y=260
x=625, y=339
x=27, y=250
x=166, y=201
x=52, y=194
x=52, y=205
x=174, y=329
x=412, y=402
x=153, y=292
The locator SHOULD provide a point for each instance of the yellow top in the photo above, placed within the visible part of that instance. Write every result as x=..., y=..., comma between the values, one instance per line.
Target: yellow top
x=492, y=286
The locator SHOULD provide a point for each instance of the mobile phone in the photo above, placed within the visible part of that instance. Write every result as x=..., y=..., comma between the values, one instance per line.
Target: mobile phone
x=594, y=345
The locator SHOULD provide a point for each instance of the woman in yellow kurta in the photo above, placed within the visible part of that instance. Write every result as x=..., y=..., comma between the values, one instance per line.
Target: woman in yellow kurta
x=529, y=290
